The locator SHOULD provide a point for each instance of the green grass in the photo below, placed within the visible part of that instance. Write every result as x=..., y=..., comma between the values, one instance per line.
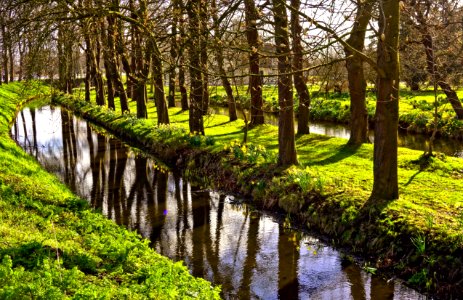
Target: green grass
x=53, y=246
x=329, y=190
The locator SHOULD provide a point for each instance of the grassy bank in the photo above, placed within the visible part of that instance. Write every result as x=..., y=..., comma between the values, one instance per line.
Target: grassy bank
x=53, y=246
x=416, y=108
x=418, y=237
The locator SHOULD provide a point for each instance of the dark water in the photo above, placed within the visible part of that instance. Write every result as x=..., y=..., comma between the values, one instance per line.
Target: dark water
x=250, y=254
x=451, y=147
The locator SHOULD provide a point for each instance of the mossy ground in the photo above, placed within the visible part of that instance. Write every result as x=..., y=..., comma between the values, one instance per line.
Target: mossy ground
x=53, y=246
x=419, y=236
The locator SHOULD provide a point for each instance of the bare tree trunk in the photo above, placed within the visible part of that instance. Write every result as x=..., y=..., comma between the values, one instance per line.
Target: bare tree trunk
x=355, y=75
x=255, y=79
x=298, y=65
x=21, y=51
x=107, y=65
x=223, y=75
x=173, y=54
x=11, y=57
x=88, y=67
x=181, y=67
x=159, y=97
x=385, y=184
x=113, y=61
x=142, y=60
x=4, y=52
x=286, y=139
x=182, y=86
x=196, y=90
x=204, y=56
x=96, y=73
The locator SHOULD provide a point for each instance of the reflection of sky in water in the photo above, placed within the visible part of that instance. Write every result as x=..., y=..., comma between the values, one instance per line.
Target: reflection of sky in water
x=248, y=253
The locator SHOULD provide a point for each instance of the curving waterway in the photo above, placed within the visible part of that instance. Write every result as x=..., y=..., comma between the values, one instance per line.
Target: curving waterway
x=220, y=239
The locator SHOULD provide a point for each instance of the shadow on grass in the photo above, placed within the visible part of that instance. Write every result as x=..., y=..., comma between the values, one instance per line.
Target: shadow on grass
x=341, y=153
x=410, y=180
x=31, y=255
x=220, y=124
x=228, y=133
x=179, y=112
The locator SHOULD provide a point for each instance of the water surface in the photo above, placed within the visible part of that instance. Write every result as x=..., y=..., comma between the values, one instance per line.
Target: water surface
x=249, y=253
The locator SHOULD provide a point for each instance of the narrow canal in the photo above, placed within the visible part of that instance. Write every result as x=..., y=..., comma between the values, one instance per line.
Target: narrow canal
x=220, y=239
x=450, y=147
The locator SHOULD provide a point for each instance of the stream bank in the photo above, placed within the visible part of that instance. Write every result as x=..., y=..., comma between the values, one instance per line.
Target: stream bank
x=391, y=235
x=54, y=246
x=250, y=254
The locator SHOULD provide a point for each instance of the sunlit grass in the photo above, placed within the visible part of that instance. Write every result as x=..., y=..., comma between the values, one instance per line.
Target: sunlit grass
x=53, y=246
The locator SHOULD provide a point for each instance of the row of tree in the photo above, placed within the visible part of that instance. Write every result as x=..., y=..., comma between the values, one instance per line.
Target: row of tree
x=123, y=46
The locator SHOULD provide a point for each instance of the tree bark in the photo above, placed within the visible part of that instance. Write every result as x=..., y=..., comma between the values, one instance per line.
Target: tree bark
x=107, y=65
x=11, y=57
x=255, y=79
x=142, y=62
x=204, y=56
x=355, y=76
x=114, y=73
x=88, y=68
x=4, y=52
x=173, y=54
x=96, y=73
x=385, y=185
x=181, y=67
x=220, y=59
x=298, y=65
x=286, y=140
x=159, y=97
x=196, y=90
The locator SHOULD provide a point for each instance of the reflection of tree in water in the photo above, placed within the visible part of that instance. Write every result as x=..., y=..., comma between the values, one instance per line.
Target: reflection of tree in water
x=116, y=186
x=288, y=257
x=97, y=165
x=201, y=228
x=357, y=286
x=157, y=206
x=381, y=290
x=35, y=148
x=251, y=252
x=69, y=149
x=181, y=223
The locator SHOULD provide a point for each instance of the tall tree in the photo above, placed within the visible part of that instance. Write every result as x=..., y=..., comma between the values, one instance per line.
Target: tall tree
x=298, y=65
x=141, y=58
x=286, y=139
x=385, y=184
x=204, y=39
x=4, y=32
x=159, y=97
x=255, y=79
x=423, y=11
x=355, y=75
x=181, y=65
x=113, y=72
x=196, y=90
x=220, y=63
x=173, y=53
